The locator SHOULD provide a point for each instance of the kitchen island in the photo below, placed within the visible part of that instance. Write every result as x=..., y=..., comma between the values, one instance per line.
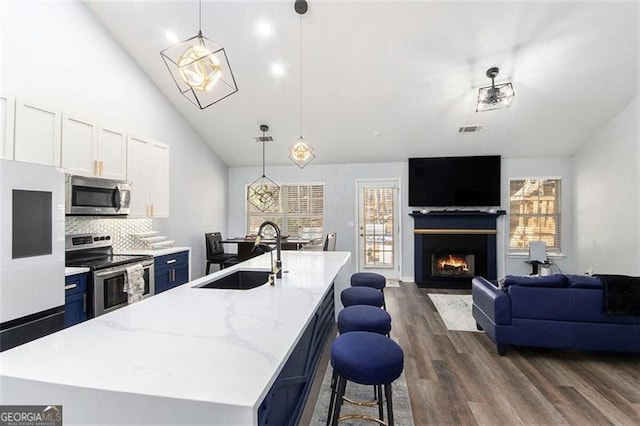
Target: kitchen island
x=187, y=356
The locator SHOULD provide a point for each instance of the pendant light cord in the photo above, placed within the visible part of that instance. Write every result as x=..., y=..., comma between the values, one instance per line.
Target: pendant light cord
x=263, y=133
x=200, y=16
x=300, y=29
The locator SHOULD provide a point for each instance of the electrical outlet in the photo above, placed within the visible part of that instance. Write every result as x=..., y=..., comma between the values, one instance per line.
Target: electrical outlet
x=589, y=270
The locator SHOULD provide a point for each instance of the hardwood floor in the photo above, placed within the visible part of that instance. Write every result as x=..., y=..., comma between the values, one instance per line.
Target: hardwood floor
x=457, y=378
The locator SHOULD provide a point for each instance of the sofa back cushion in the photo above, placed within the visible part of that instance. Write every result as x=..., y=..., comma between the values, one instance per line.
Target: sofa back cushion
x=541, y=303
x=555, y=280
x=583, y=281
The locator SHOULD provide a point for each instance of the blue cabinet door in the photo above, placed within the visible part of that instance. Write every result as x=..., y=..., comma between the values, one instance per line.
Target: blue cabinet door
x=171, y=270
x=75, y=299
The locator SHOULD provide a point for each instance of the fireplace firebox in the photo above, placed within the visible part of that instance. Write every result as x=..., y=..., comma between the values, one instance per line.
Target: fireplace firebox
x=452, y=264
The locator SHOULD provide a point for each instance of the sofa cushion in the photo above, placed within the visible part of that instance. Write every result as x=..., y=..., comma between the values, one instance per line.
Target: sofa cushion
x=555, y=280
x=583, y=281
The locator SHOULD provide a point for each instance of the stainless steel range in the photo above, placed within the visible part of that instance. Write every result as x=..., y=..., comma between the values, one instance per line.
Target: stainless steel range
x=108, y=270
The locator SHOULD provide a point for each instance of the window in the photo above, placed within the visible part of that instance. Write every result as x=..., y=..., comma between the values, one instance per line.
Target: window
x=299, y=211
x=534, y=213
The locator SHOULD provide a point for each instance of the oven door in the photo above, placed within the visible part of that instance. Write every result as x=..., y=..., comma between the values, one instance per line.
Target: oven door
x=92, y=196
x=108, y=288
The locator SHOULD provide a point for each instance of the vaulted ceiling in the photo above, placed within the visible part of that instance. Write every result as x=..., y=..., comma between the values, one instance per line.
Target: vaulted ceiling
x=387, y=80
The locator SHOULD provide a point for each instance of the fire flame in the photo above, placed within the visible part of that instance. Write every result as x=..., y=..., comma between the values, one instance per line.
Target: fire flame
x=453, y=262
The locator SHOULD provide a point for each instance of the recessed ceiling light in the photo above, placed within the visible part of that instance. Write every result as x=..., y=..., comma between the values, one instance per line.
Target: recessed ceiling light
x=171, y=37
x=377, y=133
x=277, y=69
x=264, y=29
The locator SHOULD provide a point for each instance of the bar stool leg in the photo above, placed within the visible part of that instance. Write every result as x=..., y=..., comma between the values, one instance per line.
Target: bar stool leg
x=387, y=393
x=342, y=383
x=380, y=403
x=332, y=401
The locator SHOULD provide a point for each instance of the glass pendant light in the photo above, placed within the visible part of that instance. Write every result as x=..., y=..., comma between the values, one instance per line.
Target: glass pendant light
x=301, y=152
x=200, y=69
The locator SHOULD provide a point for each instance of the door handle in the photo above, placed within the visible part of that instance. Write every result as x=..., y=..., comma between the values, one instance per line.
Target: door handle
x=171, y=261
x=70, y=286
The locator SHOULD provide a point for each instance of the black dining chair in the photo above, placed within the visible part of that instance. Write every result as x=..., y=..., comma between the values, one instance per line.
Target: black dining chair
x=215, y=252
x=329, y=242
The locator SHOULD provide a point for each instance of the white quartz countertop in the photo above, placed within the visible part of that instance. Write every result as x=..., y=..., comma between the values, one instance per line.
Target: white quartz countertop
x=188, y=355
x=68, y=271
x=155, y=252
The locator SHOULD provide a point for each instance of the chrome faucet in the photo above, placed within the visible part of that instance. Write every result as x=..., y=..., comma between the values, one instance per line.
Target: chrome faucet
x=278, y=268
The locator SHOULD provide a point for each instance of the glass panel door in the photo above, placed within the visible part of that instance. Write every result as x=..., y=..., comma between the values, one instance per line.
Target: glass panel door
x=378, y=227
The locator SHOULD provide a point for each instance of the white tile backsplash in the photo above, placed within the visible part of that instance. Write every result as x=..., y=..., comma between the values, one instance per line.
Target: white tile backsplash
x=119, y=228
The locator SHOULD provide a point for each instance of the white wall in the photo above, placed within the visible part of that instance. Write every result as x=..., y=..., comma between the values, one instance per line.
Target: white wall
x=607, y=197
x=341, y=199
x=57, y=54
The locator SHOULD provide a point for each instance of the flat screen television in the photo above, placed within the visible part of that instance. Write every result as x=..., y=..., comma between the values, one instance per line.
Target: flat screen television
x=454, y=181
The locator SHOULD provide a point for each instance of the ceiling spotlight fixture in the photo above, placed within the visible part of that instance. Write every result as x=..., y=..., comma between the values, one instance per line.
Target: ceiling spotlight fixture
x=301, y=152
x=494, y=97
x=200, y=69
x=263, y=192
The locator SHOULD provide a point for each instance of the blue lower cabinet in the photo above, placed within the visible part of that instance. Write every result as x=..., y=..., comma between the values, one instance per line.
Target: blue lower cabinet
x=171, y=270
x=285, y=401
x=75, y=299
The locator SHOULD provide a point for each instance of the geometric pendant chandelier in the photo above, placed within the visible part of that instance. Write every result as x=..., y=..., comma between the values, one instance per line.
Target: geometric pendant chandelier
x=200, y=69
x=301, y=152
x=263, y=193
x=494, y=97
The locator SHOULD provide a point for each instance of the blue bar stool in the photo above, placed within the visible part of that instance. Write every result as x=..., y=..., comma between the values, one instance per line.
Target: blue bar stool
x=365, y=358
x=364, y=318
x=361, y=296
x=369, y=279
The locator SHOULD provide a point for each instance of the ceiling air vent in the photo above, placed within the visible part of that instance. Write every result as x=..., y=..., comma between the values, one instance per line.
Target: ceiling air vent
x=469, y=129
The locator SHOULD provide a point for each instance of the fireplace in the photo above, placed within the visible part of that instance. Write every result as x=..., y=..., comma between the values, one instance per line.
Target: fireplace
x=451, y=248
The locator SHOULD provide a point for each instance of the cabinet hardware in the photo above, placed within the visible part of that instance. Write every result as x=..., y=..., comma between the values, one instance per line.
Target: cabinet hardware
x=95, y=167
x=171, y=261
x=70, y=286
x=151, y=210
x=84, y=302
x=101, y=163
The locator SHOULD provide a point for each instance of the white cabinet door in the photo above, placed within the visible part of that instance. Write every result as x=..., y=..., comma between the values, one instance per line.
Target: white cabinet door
x=148, y=171
x=138, y=174
x=112, y=153
x=79, y=146
x=159, y=186
x=37, y=134
x=7, y=107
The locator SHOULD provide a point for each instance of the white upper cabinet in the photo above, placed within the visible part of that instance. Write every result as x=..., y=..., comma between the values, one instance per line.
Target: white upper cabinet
x=7, y=108
x=112, y=153
x=92, y=150
x=37, y=134
x=79, y=146
x=148, y=171
x=159, y=189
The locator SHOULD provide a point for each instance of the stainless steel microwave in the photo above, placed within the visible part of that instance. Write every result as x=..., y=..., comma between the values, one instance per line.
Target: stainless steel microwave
x=96, y=196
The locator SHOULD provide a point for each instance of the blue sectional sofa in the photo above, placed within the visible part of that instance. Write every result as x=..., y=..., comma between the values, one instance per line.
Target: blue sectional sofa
x=555, y=311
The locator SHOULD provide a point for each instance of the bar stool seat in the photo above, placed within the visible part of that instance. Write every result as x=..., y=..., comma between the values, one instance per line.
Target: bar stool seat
x=368, y=359
x=368, y=279
x=364, y=318
x=361, y=296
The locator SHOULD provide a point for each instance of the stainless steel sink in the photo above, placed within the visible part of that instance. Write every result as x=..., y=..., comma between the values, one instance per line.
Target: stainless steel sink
x=239, y=280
